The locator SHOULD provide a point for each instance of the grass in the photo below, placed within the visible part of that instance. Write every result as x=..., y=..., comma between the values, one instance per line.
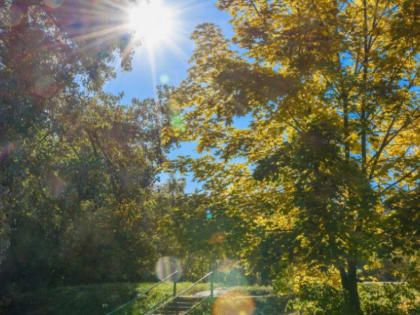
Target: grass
x=103, y=298
x=257, y=305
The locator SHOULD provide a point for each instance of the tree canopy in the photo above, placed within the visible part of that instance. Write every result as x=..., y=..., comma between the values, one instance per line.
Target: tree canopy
x=307, y=122
x=77, y=167
x=330, y=89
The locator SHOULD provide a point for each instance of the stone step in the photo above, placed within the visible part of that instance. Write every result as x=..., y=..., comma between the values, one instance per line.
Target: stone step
x=179, y=306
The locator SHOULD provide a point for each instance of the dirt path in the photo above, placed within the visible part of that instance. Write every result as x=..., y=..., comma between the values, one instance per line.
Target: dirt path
x=216, y=292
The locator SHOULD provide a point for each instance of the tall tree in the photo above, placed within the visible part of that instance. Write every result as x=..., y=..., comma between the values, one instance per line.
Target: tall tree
x=330, y=89
x=77, y=168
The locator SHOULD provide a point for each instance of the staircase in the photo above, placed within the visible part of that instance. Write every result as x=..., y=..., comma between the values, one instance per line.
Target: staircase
x=180, y=305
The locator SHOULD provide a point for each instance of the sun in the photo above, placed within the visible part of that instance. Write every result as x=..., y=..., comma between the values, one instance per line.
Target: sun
x=152, y=22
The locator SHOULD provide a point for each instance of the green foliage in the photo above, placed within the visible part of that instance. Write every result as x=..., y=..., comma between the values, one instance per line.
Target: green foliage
x=201, y=242
x=87, y=197
x=376, y=299
x=331, y=95
x=314, y=298
x=95, y=299
x=323, y=180
x=317, y=298
x=77, y=167
x=389, y=299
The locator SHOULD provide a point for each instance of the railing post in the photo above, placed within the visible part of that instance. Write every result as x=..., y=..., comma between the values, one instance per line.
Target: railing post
x=174, y=288
x=211, y=284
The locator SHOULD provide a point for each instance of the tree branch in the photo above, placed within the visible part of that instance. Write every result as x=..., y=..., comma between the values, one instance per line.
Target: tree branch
x=398, y=181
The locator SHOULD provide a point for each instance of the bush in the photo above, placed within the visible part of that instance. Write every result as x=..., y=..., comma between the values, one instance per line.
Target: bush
x=317, y=298
x=387, y=299
x=95, y=299
x=376, y=299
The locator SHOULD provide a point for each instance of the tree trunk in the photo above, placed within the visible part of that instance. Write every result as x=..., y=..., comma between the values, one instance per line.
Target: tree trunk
x=351, y=294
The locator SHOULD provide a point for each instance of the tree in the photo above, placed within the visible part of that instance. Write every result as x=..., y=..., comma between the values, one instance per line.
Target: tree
x=84, y=212
x=331, y=92
x=50, y=52
x=77, y=169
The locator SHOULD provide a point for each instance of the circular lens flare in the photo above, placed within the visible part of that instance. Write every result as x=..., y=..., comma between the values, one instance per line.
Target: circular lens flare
x=151, y=22
x=164, y=79
x=234, y=303
x=56, y=186
x=12, y=16
x=6, y=150
x=166, y=266
x=53, y=4
x=227, y=265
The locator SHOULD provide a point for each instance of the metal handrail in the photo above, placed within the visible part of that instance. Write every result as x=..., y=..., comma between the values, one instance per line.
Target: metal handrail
x=158, y=283
x=141, y=294
x=166, y=301
x=197, y=304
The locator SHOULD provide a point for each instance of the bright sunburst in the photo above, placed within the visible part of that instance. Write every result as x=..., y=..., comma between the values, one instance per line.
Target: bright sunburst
x=152, y=22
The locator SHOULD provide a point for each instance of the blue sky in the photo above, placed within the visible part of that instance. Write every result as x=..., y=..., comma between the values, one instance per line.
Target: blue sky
x=170, y=64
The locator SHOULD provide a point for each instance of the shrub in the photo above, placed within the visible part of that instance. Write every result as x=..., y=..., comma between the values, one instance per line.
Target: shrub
x=317, y=298
x=376, y=299
x=387, y=299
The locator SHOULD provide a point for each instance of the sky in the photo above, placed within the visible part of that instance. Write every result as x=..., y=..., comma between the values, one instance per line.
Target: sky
x=169, y=62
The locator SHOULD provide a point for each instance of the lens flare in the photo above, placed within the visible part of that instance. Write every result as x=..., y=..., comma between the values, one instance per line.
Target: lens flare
x=227, y=265
x=45, y=86
x=12, y=16
x=56, y=186
x=234, y=303
x=217, y=237
x=166, y=266
x=177, y=122
x=4, y=239
x=53, y=4
x=6, y=150
x=164, y=79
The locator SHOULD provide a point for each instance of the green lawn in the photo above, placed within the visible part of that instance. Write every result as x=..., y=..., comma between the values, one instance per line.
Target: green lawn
x=102, y=298
x=94, y=299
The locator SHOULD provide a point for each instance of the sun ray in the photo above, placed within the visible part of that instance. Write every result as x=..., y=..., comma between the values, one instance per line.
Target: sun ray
x=152, y=65
x=128, y=49
x=152, y=22
x=101, y=32
x=152, y=25
x=178, y=50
